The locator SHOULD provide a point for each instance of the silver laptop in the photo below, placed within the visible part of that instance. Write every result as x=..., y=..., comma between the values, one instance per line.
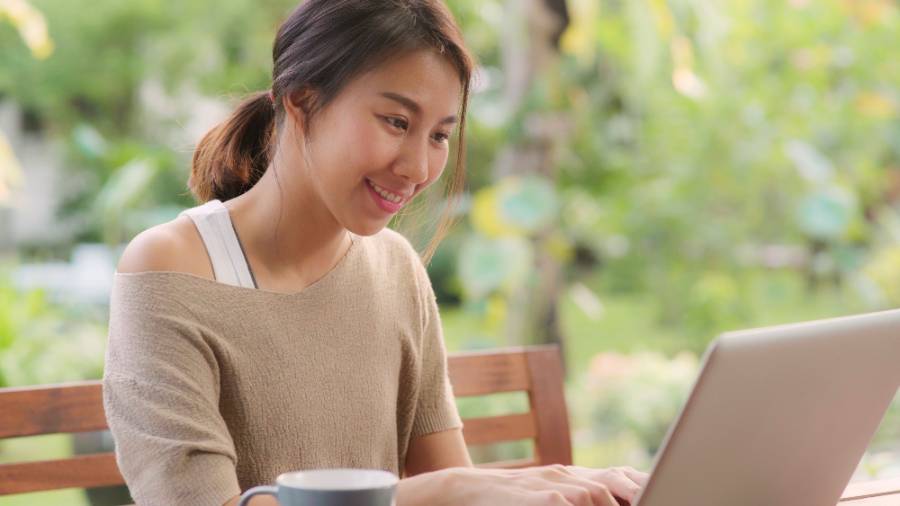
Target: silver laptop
x=780, y=415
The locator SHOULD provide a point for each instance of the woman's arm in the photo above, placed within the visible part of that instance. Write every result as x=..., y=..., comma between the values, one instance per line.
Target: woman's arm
x=437, y=451
x=534, y=486
x=427, y=453
x=439, y=471
x=160, y=388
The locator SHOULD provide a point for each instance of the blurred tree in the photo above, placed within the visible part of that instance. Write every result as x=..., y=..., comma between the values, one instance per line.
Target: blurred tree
x=686, y=146
x=33, y=29
x=531, y=50
x=117, y=90
x=703, y=143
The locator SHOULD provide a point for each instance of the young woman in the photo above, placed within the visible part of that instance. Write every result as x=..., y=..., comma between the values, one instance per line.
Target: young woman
x=280, y=325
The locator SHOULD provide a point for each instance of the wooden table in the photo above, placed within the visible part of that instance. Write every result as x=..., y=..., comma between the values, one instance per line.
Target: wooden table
x=872, y=493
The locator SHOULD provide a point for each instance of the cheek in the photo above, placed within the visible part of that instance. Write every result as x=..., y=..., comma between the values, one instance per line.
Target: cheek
x=436, y=166
x=356, y=148
x=371, y=148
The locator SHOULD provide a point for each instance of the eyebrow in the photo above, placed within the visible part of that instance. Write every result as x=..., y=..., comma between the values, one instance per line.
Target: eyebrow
x=412, y=105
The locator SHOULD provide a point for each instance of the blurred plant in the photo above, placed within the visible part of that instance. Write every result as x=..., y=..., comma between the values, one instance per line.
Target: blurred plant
x=33, y=29
x=518, y=255
x=496, y=263
x=95, y=93
x=44, y=343
x=639, y=394
x=881, y=272
x=693, y=132
x=654, y=142
x=31, y=26
x=132, y=186
x=716, y=301
x=884, y=270
x=10, y=171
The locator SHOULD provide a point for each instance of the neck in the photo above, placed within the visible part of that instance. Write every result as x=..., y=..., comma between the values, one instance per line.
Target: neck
x=287, y=233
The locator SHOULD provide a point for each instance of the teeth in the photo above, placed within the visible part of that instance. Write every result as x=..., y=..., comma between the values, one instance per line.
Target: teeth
x=386, y=195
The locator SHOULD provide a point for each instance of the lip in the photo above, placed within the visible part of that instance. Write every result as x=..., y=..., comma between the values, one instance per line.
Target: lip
x=385, y=205
x=404, y=195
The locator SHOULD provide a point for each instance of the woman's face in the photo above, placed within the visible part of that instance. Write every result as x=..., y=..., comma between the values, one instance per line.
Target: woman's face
x=383, y=139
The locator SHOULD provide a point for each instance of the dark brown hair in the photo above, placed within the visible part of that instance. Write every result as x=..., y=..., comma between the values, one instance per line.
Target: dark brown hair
x=321, y=46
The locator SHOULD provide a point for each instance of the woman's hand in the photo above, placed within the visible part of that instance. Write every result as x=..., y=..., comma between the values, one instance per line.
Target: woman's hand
x=623, y=482
x=538, y=486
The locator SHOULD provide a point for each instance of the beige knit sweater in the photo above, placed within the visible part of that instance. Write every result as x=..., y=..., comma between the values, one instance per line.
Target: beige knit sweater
x=210, y=389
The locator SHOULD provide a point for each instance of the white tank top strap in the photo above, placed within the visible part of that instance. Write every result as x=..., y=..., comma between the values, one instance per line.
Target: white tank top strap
x=217, y=231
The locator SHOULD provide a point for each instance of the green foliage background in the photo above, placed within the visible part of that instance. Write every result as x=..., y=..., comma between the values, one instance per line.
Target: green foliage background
x=724, y=164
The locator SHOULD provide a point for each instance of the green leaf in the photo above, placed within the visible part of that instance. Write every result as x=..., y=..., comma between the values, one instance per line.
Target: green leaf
x=529, y=204
x=826, y=213
x=89, y=141
x=487, y=265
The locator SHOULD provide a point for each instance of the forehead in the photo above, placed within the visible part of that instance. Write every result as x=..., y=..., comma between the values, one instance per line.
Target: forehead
x=424, y=76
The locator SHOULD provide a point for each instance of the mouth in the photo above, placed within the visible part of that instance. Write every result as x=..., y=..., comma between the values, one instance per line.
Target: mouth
x=384, y=199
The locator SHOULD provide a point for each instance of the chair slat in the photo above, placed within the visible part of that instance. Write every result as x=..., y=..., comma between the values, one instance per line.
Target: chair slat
x=474, y=374
x=30, y=411
x=98, y=470
x=553, y=444
x=536, y=370
x=495, y=429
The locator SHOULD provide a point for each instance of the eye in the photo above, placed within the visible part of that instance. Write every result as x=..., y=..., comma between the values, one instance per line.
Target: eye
x=441, y=137
x=398, y=123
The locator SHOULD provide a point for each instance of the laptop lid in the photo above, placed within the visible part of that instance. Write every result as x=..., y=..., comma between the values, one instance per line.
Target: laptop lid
x=780, y=415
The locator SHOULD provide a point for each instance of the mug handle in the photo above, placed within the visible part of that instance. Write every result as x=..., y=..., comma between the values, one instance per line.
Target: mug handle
x=264, y=489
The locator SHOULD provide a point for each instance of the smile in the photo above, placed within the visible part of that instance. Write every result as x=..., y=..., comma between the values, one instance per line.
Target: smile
x=391, y=197
x=386, y=201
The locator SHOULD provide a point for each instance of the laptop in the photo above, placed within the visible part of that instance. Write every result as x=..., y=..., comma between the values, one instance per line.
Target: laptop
x=780, y=415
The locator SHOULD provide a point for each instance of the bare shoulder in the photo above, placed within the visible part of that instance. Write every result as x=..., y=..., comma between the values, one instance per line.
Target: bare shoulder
x=174, y=246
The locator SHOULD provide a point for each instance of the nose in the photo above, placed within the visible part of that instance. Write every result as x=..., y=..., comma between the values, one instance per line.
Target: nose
x=412, y=164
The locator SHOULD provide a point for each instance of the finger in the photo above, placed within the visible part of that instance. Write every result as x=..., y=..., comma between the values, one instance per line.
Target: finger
x=636, y=476
x=597, y=491
x=614, y=479
x=600, y=493
x=549, y=498
x=584, y=494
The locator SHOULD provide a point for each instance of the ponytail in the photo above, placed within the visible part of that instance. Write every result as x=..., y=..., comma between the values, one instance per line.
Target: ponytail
x=232, y=156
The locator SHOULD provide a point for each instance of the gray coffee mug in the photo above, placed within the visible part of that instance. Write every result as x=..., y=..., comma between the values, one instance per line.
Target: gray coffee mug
x=330, y=487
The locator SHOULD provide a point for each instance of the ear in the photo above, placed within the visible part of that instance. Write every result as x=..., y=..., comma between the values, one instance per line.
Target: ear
x=299, y=103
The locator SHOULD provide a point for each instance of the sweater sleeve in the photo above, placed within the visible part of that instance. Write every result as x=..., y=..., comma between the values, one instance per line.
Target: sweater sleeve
x=160, y=393
x=435, y=407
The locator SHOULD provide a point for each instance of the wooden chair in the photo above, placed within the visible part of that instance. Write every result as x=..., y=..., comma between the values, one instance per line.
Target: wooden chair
x=78, y=407
x=57, y=409
x=536, y=370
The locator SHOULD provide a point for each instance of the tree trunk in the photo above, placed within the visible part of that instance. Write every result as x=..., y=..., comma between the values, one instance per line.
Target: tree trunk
x=531, y=54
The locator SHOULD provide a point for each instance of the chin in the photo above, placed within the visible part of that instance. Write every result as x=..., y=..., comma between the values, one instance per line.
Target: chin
x=365, y=229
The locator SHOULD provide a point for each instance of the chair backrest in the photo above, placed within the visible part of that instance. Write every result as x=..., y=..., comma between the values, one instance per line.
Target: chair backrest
x=56, y=409
x=536, y=370
x=78, y=407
